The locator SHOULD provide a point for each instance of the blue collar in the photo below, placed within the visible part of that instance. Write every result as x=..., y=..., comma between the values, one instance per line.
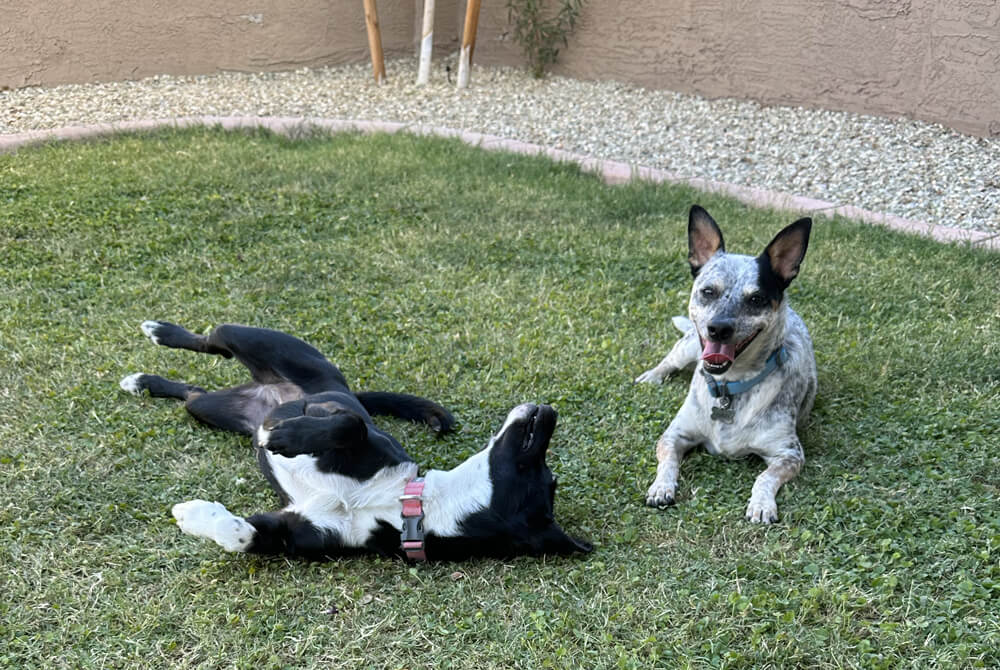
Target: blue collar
x=718, y=389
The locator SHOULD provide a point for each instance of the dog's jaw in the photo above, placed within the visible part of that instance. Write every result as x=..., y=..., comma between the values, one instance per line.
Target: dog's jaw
x=718, y=357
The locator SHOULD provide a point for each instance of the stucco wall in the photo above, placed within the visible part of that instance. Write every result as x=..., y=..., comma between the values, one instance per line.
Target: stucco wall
x=46, y=42
x=936, y=60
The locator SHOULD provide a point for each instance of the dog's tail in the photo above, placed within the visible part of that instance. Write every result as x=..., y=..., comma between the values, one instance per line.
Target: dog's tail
x=683, y=324
x=409, y=407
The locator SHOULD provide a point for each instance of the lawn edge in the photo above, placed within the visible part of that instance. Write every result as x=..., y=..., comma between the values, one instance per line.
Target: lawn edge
x=612, y=172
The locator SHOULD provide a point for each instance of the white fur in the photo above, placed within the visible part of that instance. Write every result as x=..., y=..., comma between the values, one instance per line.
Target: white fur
x=765, y=416
x=452, y=496
x=213, y=521
x=682, y=323
x=131, y=384
x=337, y=503
x=149, y=329
x=352, y=508
x=519, y=413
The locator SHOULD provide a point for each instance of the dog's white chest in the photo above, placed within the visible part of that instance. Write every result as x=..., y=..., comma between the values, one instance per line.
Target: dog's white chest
x=743, y=427
x=331, y=501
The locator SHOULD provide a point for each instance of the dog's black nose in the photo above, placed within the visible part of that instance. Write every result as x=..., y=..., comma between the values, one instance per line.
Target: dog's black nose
x=720, y=331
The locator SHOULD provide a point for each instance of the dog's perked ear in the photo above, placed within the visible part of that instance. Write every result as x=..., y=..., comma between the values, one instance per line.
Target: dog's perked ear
x=784, y=254
x=704, y=238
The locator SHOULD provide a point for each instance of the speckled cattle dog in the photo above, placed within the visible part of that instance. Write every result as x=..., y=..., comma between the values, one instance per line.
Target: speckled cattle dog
x=755, y=375
x=348, y=487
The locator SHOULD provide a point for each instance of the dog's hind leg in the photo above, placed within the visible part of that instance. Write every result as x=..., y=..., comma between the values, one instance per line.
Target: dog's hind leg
x=273, y=533
x=762, y=507
x=166, y=334
x=270, y=355
x=158, y=387
x=684, y=354
x=211, y=520
x=242, y=408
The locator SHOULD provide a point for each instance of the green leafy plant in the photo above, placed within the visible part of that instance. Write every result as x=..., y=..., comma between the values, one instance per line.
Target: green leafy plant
x=539, y=32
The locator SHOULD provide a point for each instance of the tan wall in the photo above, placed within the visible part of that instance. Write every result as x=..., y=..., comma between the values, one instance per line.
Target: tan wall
x=936, y=60
x=46, y=42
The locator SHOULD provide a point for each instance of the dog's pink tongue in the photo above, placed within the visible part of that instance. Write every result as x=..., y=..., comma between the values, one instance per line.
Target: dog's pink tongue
x=718, y=353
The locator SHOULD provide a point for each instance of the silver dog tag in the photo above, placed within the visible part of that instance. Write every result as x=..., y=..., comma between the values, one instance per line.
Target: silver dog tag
x=724, y=411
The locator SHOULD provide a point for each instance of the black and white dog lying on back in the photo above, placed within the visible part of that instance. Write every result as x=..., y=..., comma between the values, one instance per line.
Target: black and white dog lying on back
x=341, y=479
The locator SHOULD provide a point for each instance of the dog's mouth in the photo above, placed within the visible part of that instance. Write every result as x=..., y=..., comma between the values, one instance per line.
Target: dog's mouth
x=717, y=357
x=528, y=428
x=538, y=428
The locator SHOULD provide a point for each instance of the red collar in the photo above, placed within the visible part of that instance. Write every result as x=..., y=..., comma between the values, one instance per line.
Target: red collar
x=412, y=532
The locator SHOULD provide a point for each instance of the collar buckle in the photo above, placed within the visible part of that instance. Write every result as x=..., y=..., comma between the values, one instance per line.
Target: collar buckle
x=412, y=530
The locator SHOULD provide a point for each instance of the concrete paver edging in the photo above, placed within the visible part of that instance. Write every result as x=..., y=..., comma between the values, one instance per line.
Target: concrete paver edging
x=613, y=172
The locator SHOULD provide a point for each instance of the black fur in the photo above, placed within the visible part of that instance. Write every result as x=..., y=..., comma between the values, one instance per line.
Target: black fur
x=303, y=405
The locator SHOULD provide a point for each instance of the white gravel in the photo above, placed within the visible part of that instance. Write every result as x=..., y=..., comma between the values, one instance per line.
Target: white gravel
x=911, y=169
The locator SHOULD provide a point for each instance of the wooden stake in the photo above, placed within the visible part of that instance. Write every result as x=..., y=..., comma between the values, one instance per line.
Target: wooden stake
x=375, y=41
x=426, y=43
x=468, y=42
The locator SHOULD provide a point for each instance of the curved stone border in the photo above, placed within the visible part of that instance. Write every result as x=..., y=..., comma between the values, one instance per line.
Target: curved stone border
x=613, y=172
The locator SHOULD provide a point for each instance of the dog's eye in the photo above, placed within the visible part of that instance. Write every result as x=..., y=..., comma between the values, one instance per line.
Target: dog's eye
x=757, y=300
x=708, y=292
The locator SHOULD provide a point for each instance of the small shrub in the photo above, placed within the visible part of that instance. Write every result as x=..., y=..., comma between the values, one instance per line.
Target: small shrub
x=539, y=33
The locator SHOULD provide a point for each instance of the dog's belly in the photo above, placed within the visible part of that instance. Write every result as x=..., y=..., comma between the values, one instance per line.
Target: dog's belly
x=728, y=449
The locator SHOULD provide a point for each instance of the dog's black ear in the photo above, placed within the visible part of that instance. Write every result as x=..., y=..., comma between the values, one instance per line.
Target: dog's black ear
x=704, y=238
x=786, y=251
x=556, y=542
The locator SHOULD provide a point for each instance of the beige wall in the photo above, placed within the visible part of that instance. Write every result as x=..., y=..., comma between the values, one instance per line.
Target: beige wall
x=45, y=42
x=936, y=60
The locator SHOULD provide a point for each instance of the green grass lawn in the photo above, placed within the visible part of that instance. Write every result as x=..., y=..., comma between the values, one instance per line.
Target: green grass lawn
x=481, y=280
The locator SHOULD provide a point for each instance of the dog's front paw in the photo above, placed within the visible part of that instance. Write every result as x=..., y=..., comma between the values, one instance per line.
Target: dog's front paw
x=660, y=495
x=439, y=419
x=213, y=521
x=279, y=438
x=762, y=510
x=654, y=376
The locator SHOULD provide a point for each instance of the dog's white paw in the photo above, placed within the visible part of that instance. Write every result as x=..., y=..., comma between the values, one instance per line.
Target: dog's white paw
x=654, y=376
x=213, y=521
x=149, y=329
x=132, y=384
x=660, y=495
x=198, y=517
x=762, y=509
